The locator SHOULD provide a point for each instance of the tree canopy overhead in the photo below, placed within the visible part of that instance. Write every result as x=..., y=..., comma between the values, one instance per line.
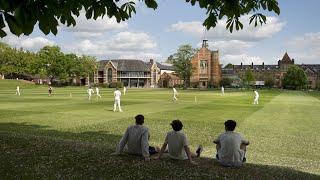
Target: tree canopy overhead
x=22, y=15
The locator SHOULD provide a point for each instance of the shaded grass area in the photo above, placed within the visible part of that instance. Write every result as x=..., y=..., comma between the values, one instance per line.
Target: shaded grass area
x=63, y=136
x=58, y=155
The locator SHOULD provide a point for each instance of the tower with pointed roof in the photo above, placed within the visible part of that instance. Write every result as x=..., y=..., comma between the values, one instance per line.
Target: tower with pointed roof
x=207, y=69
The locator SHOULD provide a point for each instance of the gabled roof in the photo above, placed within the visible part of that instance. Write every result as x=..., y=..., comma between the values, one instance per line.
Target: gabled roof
x=311, y=67
x=126, y=65
x=170, y=75
x=164, y=66
x=286, y=58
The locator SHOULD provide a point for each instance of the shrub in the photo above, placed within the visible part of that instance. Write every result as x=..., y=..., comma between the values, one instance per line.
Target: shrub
x=116, y=84
x=104, y=85
x=194, y=84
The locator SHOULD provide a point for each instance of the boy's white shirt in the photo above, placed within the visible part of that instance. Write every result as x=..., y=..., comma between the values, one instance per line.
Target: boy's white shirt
x=176, y=141
x=117, y=95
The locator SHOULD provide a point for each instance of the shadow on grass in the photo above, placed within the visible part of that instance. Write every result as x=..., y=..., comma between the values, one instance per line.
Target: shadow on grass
x=35, y=152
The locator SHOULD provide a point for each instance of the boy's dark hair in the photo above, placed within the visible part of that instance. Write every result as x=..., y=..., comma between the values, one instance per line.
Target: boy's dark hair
x=176, y=125
x=230, y=125
x=139, y=119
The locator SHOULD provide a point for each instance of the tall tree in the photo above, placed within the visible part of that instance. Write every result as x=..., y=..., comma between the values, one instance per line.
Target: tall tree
x=5, y=51
x=269, y=82
x=294, y=78
x=87, y=66
x=225, y=82
x=249, y=78
x=229, y=66
x=182, y=63
x=54, y=63
x=170, y=59
x=21, y=15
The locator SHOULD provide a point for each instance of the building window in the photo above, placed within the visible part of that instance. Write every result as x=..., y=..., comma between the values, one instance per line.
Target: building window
x=154, y=75
x=203, y=66
x=109, y=75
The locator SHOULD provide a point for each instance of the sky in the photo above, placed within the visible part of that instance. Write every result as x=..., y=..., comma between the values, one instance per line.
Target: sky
x=157, y=34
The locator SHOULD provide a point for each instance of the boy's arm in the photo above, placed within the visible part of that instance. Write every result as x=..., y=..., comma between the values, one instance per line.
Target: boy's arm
x=187, y=149
x=122, y=142
x=163, y=148
x=245, y=142
x=216, y=141
x=145, y=146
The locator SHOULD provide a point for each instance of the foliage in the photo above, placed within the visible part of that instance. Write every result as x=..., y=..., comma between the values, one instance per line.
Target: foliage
x=15, y=62
x=228, y=66
x=294, y=78
x=54, y=63
x=182, y=63
x=249, y=78
x=170, y=59
x=87, y=65
x=104, y=85
x=116, y=84
x=49, y=61
x=269, y=82
x=225, y=82
x=194, y=84
x=22, y=16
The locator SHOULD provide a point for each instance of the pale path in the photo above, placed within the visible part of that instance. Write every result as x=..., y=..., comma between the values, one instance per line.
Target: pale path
x=287, y=127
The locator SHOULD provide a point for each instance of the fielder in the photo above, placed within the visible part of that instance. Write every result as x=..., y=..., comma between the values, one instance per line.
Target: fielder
x=222, y=90
x=124, y=90
x=117, y=95
x=175, y=93
x=90, y=92
x=18, y=90
x=97, y=91
x=256, y=97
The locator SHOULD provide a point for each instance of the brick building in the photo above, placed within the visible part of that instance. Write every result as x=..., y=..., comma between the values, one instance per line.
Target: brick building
x=277, y=71
x=207, y=68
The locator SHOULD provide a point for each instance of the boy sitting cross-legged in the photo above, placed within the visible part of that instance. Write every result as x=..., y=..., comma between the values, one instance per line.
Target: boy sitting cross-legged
x=178, y=144
x=231, y=147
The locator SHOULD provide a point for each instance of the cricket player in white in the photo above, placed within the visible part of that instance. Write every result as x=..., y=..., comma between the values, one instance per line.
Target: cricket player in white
x=222, y=90
x=124, y=90
x=18, y=91
x=117, y=95
x=174, y=98
x=256, y=97
x=90, y=92
x=97, y=91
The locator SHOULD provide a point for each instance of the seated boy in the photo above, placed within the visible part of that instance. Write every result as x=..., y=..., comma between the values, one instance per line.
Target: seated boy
x=137, y=137
x=231, y=147
x=178, y=144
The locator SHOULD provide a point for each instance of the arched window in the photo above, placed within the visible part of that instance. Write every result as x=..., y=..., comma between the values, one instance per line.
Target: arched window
x=154, y=75
x=109, y=75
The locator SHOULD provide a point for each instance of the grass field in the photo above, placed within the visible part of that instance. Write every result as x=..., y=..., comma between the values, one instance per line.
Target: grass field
x=65, y=136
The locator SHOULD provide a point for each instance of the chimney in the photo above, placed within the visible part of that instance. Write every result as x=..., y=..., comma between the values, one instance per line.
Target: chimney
x=262, y=65
x=205, y=43
x=151, y=61
x=241, y=65
x=279, y=63
x=252, y=65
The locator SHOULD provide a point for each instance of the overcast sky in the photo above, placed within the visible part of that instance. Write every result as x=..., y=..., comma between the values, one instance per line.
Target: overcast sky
x=156, y=34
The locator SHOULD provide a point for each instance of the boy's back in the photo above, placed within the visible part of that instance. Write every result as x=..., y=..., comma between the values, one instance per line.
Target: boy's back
x=176, y=141
x=230, y=153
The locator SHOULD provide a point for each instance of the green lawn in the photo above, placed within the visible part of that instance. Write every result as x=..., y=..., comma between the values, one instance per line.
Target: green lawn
x=65, y=136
